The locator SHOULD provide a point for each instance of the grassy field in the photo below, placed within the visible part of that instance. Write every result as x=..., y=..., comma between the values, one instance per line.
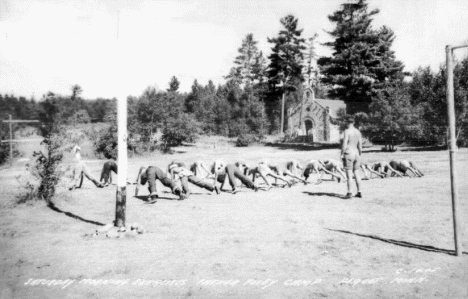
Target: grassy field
x=299, y=242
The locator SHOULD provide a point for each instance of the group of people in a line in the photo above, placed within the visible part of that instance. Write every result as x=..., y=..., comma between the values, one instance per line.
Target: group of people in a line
x=207, y=176
x=81, y=171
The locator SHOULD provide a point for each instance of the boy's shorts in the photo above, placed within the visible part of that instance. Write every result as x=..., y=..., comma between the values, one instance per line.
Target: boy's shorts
x=352, y=162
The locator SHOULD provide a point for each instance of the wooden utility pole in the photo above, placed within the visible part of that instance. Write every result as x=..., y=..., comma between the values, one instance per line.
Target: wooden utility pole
x=11, y=142
x=282, y=111
x=453, y=146
x=121, y=196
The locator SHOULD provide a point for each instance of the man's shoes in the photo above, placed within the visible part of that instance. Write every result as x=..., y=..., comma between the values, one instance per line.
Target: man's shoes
x=216, y=189
x=153, y=198
x=348, y=195
x=255, y=187
x=177, y=191
x=359, y=195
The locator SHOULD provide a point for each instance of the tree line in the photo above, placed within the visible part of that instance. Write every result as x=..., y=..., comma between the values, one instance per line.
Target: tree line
x=362, y=70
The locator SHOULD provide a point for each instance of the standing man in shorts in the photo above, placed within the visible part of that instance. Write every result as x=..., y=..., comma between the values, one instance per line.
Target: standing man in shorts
x=351, y=152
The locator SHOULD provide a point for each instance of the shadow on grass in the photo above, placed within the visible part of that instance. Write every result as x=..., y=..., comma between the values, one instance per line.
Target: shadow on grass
x=409, y=149
x=71, y=215
x=302, y=146
x=325, y=194
x=400, y=243
x=146, y=197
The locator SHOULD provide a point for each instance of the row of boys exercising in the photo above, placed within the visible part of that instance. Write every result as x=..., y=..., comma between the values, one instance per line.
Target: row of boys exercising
x=206, y=177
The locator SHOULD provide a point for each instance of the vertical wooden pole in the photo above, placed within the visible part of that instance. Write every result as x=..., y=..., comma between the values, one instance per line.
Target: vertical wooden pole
x=282, y=112
x=122, y=162
x=11, y=143
x=453, y=148
x=121, y=198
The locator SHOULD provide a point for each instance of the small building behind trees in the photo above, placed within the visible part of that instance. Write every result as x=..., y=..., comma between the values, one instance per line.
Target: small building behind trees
x=312, y=119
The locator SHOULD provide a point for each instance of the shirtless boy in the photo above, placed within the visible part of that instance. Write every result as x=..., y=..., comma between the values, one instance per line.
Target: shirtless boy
x=351, y=152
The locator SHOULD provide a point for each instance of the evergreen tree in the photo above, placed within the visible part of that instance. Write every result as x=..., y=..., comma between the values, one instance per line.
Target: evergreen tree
x=392, y=118
x=362, y=61
x=287, y=53
x=193, y=99
x=259, y=69
x=250, y=63
x=285, y=68
x=428, y=91
x=76, y=91
x=174, y=84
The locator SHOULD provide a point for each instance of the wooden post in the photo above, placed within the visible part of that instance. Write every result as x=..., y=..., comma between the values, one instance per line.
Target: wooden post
x=453, y=148
x=121, y=198
x=282, y=112
x=11, y=143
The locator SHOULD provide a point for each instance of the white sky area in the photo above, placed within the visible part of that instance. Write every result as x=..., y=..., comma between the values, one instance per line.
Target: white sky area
x=52, y=45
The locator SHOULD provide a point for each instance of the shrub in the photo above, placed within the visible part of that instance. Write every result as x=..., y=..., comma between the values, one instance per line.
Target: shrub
x=105, y=145
x=244, y=140
x=47, y=166
x=238, y=128
x=179, y=130
x=248, y=139
x=29, y=191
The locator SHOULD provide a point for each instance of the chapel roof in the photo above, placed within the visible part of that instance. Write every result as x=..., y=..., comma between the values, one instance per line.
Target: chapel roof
x=334, y=105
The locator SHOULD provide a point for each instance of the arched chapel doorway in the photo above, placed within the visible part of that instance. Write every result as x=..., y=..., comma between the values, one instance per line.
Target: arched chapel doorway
x=308, y=128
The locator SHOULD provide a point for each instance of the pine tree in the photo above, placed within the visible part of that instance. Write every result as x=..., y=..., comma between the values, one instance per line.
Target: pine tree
x=392, y=118
x=76, y=92
x=250, y=63
x=287, y=53
x=285, y=68
x=259, y=69
x=174, y=84
x=362, y=61
x=193, y=99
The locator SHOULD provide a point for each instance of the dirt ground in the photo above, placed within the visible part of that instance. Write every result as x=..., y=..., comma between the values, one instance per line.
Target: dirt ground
x=299, y=242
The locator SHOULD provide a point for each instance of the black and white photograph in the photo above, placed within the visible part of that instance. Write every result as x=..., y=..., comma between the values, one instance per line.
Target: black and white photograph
x=188, y=149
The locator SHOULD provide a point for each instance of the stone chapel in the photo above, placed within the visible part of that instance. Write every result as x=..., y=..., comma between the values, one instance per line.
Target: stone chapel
x=310, y=120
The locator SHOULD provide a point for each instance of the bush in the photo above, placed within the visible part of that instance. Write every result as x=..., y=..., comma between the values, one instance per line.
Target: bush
x=238, y=128
x=5, y=152
x=179, y=130
x=244, y=140
x=47, y=166
x=248, y=139
x=106, y=143
x=29, y=191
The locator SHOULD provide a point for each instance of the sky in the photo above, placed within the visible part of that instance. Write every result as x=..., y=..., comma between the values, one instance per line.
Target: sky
x=120, y=47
